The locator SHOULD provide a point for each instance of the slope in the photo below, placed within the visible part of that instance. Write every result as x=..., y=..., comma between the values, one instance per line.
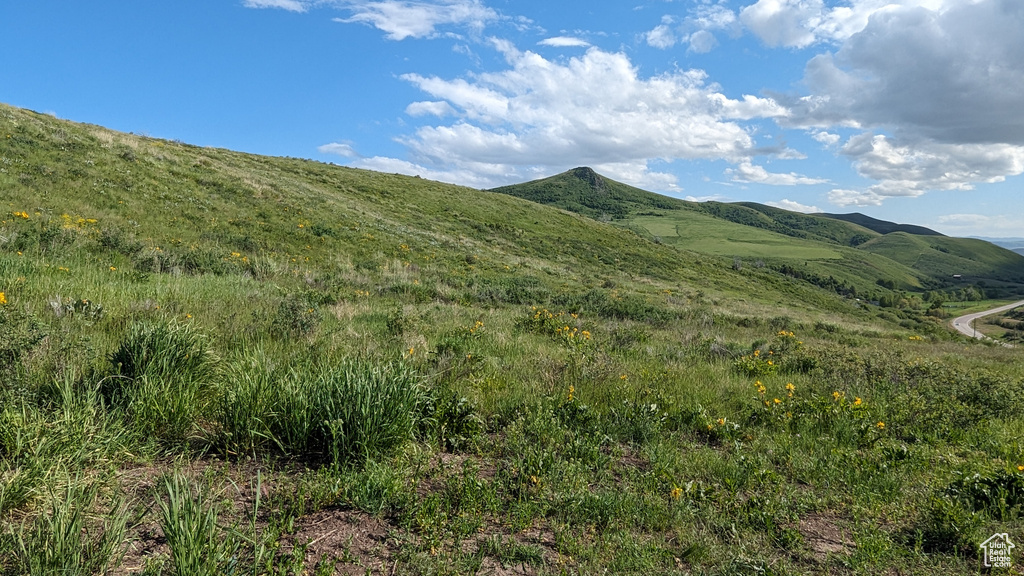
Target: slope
x=818, y=245
x=881, y=226
x=155, y=206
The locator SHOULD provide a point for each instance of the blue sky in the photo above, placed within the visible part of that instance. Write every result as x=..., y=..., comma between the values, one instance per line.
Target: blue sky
x=906, y=110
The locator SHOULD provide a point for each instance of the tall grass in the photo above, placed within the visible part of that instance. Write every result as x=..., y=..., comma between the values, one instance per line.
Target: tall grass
x=163, y=375
x=70, y=537
x=343, y=412
x=189, y=519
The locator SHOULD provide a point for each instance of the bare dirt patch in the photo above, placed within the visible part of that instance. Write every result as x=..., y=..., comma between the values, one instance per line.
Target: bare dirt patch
x=356, y=540
x=823, y=536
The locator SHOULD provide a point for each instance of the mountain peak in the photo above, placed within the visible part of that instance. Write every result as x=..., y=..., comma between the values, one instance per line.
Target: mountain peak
x=586, y=174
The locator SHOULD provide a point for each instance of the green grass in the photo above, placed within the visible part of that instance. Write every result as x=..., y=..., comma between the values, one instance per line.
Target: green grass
x=222, y=363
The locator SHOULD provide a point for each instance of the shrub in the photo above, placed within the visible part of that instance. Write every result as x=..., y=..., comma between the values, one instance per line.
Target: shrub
x=20, y=332
x=1000, y=495
x=947, y=527
x=296, y=315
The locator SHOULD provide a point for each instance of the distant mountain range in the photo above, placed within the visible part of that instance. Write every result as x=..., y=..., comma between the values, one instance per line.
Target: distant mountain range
x=881, y=226
x=1015, y=244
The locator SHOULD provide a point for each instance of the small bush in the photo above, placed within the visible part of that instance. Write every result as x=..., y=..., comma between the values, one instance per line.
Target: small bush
x=1000, y=495
x=296, y=315
x=120, y=241
x=20, y=332
x=948, y=528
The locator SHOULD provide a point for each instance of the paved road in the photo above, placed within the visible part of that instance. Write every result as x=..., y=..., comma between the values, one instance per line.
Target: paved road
x=963, y=324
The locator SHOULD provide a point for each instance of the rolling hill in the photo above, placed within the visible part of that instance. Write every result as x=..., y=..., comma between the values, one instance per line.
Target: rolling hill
x=220, y=363
x=851, y=248
x=881, y=226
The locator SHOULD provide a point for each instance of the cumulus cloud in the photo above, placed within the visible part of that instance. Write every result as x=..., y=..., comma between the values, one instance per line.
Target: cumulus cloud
x=662, y=35
x=826, y=138
x=748, y=172
x=794, y=206
x=702, y=42
x=290, y=5
x=934, y=86
x=401, y=19
x=339, y=148
x=788, y=23
x=913, y=169
x=429, y=109
x=801, y=23
x=477, y=176
x=696, y=29
x=594, y=109
x=564, y=42
x=846, y=197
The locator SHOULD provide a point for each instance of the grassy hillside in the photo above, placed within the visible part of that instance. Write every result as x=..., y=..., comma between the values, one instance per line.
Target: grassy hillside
x=214, y=362
x=817, y=247
x=881, y=226
x=943, y=256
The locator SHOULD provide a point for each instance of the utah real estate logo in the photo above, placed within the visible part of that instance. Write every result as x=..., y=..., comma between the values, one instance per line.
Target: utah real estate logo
x=998, y=550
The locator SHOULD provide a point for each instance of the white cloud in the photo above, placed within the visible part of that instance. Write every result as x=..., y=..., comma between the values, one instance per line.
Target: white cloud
x=290, y=5
x=845, y=197
x=747, y=172
x=594, y=109
x=402, y=19
x=662, y=35
x=640, y=175
x=339, y=148
x=711, y=198
x=801, y=23
x=794, y=206
x=702, y=42
x=564, y=42
x=696, y=29
x=826, y=138
x=913, y=169
x=429, y=109
x=476, y=178
x=783, y=22
x=942, y=79
x=978, y=225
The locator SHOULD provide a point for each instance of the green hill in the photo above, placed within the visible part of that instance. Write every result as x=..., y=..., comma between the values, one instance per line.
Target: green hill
x=856, y=250
x=881, y=226
x=220, y=363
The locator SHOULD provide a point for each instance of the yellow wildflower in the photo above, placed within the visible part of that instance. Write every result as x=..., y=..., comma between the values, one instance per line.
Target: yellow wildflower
x=721, y=421
x=856, y=401
x=777, y=401
x=676, y=493
x=113, y=268
x=881, y=425
x=3, y=298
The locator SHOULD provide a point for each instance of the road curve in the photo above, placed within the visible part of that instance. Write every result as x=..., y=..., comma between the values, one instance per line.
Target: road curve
x=964, y=324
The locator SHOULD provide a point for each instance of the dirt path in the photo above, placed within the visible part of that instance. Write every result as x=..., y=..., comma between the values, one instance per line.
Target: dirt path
x=964, y=324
